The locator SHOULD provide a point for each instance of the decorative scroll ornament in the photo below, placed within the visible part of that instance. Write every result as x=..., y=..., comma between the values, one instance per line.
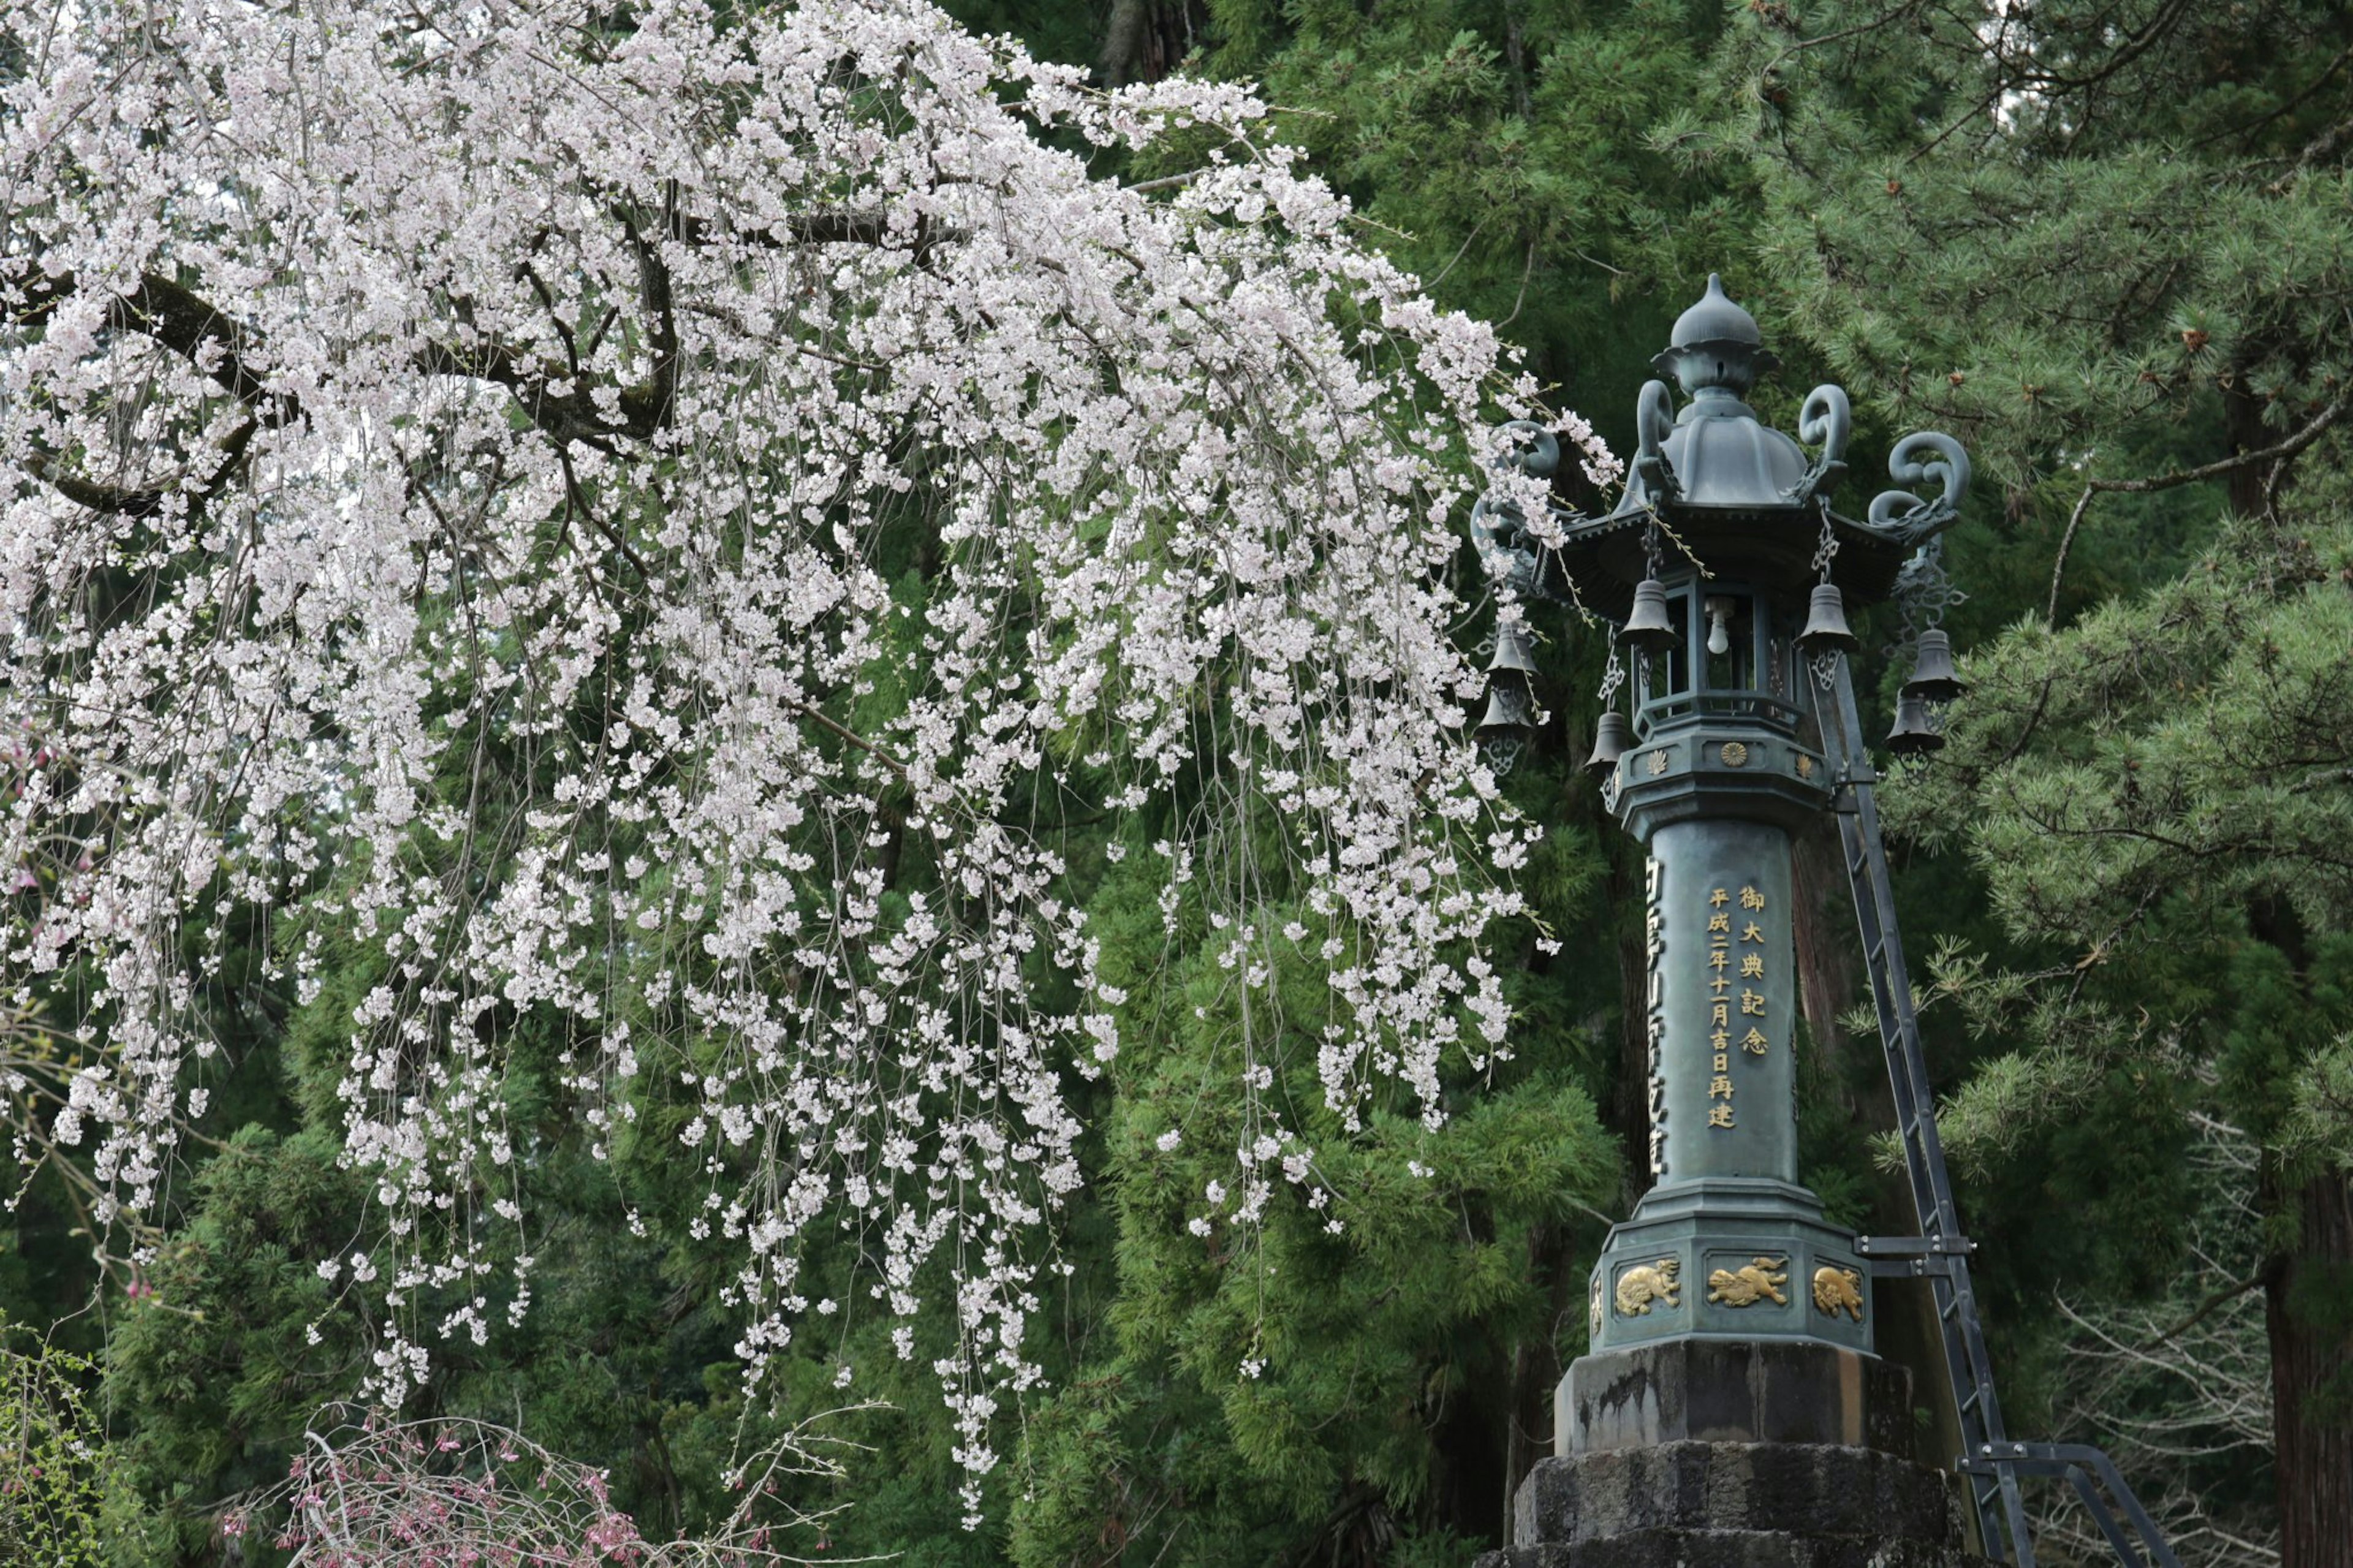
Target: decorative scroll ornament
x=1529, y=448
x=1911, y=519
x=1825, y=421
x=1654, y=421
x=1758, y=1280
x=1647, y=1282
x=1837, y=1289
x=1498, y=526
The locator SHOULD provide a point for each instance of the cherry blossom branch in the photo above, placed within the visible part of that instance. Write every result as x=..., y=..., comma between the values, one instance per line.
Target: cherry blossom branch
x=1139, y=499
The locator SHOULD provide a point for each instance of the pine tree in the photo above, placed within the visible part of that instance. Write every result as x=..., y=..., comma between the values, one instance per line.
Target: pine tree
x=2105, y=246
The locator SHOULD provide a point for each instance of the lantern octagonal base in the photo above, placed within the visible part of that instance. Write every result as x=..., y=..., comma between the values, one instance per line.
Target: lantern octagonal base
x=1740, y=1259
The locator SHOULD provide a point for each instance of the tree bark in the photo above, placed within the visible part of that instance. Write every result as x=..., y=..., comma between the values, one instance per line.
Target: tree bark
x=2243, y=431
x=1536, y=1367
x=2308, y=1311
x=1830, y=956
x=1831, y=977
x=1124, y=33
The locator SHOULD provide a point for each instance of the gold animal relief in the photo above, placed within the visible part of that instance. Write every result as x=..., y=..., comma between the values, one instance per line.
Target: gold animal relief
x=1836, y=1290
x=1646, y=1283
x=1754, y=1281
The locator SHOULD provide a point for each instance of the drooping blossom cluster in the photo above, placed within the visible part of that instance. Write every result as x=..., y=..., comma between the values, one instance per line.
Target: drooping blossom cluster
x=642, y=521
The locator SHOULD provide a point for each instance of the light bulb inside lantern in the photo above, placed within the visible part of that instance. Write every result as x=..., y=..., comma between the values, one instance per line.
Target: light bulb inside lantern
x=1719, y=634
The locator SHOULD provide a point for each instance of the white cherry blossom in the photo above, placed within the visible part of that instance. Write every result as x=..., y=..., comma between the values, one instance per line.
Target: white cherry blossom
x=631, y=520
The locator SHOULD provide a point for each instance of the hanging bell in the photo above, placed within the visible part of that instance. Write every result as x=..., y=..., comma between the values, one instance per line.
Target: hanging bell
x=1513, y=649
x=1647, y=628
x=1826, y=628
x=1914, y=735
x=1511, y=709
x=1933, y=676
x=1610, y=741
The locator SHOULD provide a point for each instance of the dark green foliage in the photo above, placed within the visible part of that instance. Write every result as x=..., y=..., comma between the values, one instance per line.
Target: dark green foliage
x=56, y=1486
x=2105, y=246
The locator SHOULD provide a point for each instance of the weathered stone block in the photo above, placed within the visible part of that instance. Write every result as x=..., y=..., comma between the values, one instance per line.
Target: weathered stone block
x=1688, y=1504
x=1732, y=1391
x=1804, y=1488
x=1732, y=1549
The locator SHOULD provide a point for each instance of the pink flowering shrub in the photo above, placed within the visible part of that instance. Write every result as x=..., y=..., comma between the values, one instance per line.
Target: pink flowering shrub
x=370, y=1492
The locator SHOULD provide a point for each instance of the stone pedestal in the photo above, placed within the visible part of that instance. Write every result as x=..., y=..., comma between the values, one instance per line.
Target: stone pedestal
x=1736, y=1505
x=1733, y=1391
x=1715, y=1453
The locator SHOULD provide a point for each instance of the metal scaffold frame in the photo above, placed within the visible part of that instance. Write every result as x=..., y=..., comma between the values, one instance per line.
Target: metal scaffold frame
x=1992, y=1463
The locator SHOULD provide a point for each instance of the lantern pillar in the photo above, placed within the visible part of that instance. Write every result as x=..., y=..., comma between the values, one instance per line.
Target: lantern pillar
x=1730, y=1407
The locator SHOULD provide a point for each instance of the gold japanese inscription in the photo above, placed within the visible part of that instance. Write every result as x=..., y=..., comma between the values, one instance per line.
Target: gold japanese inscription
x=1647, y=1282
x=1754, y=1281
x=1838, y=1287
x=1724, y=960
x=1655, y=926
x=1719, y=958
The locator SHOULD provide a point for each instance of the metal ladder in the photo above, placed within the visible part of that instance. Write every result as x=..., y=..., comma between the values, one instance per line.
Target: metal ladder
x=1990, y=1463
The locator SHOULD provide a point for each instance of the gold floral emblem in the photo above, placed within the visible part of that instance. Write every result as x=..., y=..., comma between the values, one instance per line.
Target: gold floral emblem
x=1658, y=762
x=1804, y=766
x=1735, y=754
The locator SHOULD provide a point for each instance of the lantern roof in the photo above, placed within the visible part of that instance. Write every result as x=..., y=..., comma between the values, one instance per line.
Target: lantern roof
x=1742, y=500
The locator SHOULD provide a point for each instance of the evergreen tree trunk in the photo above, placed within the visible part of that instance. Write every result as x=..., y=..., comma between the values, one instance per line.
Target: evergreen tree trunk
x=1123, y=38
x=1536, y=1367
x=2311, y=1327
x=1829, y=950
x=2244, y=429
x=1830, y=976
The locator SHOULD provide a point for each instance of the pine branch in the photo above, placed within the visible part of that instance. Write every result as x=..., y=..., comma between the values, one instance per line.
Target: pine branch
x=2214, y=471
